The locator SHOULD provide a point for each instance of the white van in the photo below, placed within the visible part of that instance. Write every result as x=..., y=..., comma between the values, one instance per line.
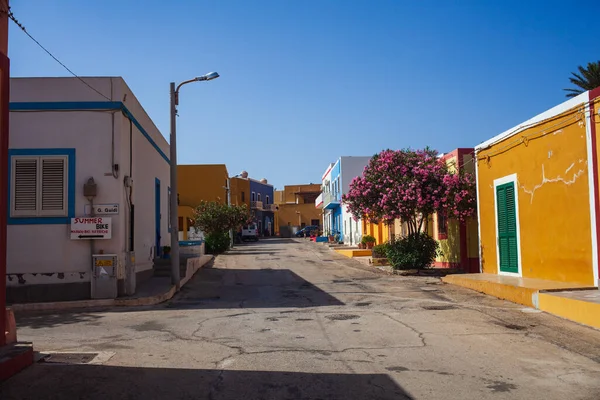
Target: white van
x=250, y=232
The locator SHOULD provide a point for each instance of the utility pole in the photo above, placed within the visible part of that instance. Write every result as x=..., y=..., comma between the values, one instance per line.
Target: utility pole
x=174, y=91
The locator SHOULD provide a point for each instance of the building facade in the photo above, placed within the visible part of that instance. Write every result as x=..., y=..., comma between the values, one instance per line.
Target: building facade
x=537, y=195
x=77, y=153
x=262, y=207
x=458, y=240
x=295, y=208
x=196, y=183
x=259, y=196
x=336, y=183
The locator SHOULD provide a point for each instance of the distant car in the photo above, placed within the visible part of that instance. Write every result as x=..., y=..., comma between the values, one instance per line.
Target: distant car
x=250, y=232
x=305, y=232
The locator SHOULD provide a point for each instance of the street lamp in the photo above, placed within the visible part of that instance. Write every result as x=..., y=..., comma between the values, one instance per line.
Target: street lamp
x=173, y=158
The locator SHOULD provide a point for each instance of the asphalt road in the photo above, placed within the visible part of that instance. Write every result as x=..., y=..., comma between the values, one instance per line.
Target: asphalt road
x=285, y=319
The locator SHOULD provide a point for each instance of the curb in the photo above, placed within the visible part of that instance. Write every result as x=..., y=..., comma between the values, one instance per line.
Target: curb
x=141, y=301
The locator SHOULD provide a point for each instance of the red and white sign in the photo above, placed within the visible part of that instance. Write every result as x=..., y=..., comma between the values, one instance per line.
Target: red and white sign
x=91, y=228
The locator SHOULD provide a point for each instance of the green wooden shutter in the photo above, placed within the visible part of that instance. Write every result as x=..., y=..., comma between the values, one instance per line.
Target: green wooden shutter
x=507, y=228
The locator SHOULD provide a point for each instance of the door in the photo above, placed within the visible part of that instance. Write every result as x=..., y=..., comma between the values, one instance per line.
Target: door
x=157, y=251
x=350, y=233
x=507, y=228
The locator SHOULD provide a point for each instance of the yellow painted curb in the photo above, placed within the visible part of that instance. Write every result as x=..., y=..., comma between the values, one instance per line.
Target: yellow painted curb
x=516, y=294
x=584, y=312
x=354, y=252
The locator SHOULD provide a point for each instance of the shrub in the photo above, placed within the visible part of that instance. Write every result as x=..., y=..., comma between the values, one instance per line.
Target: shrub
x=368, y=239
x=217, y=243
x=380, y=250
x=415, y=251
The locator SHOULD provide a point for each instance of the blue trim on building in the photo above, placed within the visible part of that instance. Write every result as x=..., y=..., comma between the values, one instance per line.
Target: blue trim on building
x=86, y=106
x=169, y=203
x=157, y=209
x=64, y=105
x=71, y=166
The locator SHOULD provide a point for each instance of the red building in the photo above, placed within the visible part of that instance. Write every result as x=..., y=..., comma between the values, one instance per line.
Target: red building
x=14, y=356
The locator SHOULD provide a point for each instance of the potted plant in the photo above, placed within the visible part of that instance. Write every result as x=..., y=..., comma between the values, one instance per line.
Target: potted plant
x=369, y=241
x=361, y=244
x=166, y=251
x=330, y=236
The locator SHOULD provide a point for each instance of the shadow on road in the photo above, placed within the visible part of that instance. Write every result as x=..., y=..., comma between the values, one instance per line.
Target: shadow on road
x=214, y=288
x=52, y=319
x=48, y=381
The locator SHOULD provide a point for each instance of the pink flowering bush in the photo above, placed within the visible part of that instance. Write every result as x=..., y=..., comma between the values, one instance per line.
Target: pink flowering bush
x=410, y=185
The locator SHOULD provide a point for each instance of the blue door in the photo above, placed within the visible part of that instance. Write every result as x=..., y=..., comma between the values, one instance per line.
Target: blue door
x=157, y=216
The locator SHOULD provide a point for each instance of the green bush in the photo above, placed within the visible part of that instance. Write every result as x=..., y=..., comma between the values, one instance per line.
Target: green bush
x=217, y=243
x=415, y=251
x=368, y=239
x=380, y=250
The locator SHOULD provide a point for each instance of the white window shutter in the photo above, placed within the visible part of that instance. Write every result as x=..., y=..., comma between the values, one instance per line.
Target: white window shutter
x=25, y=184
x=53, y=193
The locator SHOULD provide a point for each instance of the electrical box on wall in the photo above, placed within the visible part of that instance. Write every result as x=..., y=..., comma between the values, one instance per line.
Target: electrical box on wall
x=104, y=276
x=90, y=188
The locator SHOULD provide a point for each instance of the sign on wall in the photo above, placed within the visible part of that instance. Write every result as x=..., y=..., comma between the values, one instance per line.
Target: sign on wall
x=102, y=209
x=91, y=228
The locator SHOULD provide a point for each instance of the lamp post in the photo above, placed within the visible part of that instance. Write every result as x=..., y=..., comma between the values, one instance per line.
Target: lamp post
x=173, y=161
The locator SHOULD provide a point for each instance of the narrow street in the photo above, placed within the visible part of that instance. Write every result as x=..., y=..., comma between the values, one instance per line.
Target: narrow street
x=288, y=319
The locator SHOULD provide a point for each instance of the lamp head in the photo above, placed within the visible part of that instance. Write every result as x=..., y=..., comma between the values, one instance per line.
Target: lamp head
x=208, y=77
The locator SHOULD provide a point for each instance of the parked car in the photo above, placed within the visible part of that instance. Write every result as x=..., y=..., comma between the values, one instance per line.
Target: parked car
x=305, y=232
x=250, y=232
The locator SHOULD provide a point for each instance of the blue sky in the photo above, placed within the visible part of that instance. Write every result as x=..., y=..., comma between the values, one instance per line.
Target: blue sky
x=304, y=82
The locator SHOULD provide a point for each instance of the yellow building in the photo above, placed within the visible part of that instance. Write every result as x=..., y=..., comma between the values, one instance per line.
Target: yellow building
x=538, y=196
x=458, y=240
x=296, y=208
x=240, y=191
x=380, y=231
x=195, y=183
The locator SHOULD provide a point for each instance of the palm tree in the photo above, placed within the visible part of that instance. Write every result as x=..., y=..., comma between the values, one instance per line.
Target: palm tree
x=587, y=79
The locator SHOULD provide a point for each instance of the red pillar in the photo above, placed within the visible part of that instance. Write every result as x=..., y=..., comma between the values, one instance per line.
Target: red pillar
x=4, y=99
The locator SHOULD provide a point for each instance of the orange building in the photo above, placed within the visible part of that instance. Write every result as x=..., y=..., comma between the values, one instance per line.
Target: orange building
x=208, y=182
x=296, y=208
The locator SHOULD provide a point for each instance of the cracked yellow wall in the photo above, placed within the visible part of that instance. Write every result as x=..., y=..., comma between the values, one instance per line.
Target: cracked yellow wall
x=553, y=199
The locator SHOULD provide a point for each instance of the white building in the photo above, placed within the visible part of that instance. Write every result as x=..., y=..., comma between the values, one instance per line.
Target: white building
x=336, y=183
x=62, y=133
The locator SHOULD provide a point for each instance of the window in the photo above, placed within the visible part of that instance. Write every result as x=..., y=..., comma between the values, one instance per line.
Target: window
x=315, y=222
x=180, y=223
x=258, y=196
x=267, y=199
x=42, y=185
x=243, y=196
x=253, y=196
x=442, y=225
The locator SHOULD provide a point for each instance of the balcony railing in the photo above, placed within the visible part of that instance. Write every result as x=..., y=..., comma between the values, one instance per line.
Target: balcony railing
x=256, y=205
x=330, y=199
x=269, y=207
x=319, y=201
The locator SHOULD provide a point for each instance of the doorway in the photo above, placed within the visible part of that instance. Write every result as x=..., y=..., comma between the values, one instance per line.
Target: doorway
x=157, y=251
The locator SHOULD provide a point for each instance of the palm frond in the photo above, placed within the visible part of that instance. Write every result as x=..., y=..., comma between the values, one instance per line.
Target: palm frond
x=588, y=78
